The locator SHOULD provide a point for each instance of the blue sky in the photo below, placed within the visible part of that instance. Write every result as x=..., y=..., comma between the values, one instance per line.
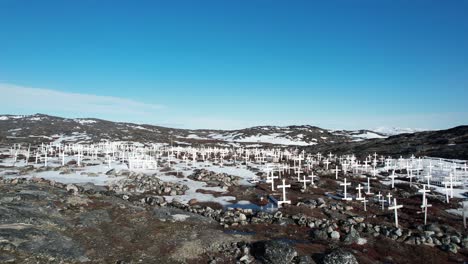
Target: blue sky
x=233, y=64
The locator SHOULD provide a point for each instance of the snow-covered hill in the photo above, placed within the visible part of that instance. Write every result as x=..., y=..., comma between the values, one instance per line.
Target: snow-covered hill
x=391, y=131
x=39, y=127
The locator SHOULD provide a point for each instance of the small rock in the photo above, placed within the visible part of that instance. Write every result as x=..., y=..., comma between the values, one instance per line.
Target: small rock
x=335, y=235
x=192, y=201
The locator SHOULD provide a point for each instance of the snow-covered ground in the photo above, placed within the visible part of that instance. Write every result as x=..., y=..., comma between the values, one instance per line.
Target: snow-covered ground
x=391, y=131
x=273, y=138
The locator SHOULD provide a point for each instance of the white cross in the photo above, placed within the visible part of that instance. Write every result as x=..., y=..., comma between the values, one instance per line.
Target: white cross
x=326, y=162
x=430, y=167
x=428, y=177
x=389, y=196
x=446, y=191
x=366, y=165
x=312, y=176
x=345, y=192
x=393, y=176
x=109, y=160
x=284, y=186
x=464, y=208
x=364, y=201
x=336, y=172
x=368, y=187
x=451, y=184
x=271, y=179
x=395, y=207
x=359, y=188
x=424, y=206
x=298, y=171
x=79, y=155
x=305, y=181
x=423, y=191
x=63, y=158
x=319, y=156
x=381, y=200
x=410, y=176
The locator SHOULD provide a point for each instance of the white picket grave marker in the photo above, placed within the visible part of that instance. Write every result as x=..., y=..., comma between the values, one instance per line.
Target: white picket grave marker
x=368, y=187
x=284, y=186
x=345, y=198
x=305, y=181
x=359, y=188
x=395, y=207
x=45, y=159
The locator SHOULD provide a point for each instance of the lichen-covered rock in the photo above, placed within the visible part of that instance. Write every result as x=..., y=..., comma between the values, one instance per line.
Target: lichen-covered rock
x=215, y=179
x=273, y=252
x=340, y=256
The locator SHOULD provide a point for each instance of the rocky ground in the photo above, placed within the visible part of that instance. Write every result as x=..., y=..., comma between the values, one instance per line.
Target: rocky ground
x=48, y=222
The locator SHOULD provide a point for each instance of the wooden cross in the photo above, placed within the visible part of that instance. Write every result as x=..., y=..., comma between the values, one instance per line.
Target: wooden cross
x=305, y=181
x=395, y=207
x=326, y=162
x=393, y=176
x=364, y=201
x=284, y=186
x=359, y=188
x=345, y=191
x=368, y=187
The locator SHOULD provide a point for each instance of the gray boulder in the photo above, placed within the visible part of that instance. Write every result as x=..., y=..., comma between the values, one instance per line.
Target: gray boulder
x=340, y=256
x=273, y=252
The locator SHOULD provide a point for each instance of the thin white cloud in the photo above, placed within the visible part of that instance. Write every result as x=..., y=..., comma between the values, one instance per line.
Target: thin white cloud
x=37, y=100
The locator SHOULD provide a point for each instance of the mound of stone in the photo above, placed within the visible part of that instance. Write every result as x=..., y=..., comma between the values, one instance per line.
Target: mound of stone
x=215, y=179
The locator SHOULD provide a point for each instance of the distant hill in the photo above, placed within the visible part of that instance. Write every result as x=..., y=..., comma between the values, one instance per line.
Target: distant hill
x=451, y=143
x=45, y=128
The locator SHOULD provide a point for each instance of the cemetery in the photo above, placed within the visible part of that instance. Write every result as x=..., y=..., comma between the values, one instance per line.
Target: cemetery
x=244, y=132
x=317, y=202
